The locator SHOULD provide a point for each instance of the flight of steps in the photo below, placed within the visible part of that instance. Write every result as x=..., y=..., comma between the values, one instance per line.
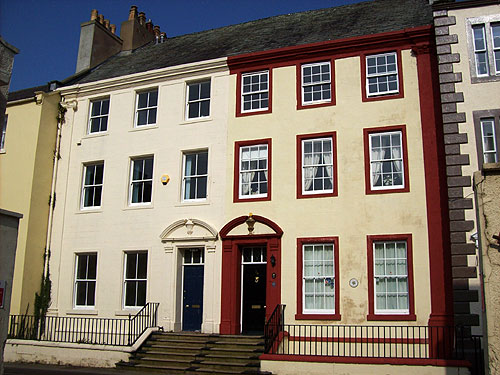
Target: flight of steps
x=196, y=353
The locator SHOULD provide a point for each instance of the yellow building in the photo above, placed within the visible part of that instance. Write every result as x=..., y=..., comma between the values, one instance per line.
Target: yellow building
x=26, y=165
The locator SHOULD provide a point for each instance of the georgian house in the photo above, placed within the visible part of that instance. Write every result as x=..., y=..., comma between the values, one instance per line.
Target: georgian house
x=281, y=177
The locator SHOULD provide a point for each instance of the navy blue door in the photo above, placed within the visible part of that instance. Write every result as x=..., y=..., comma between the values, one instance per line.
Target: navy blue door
x=192, y=310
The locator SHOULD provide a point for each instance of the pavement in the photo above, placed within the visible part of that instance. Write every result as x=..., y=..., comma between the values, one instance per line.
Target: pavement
x=28, y=369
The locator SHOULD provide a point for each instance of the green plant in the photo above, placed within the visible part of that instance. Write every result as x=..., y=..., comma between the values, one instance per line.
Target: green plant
x=42, y=300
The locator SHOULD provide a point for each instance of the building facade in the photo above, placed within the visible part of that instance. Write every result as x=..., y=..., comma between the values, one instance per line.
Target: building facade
x=26, y=166
x=467, y=39
x=229, y=177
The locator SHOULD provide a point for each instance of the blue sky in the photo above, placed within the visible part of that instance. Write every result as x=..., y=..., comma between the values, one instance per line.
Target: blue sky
x=47, y=32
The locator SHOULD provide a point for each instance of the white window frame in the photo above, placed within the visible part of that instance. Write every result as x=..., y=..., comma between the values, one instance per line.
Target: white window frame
x=481, y=51
x=199, y=100
x=324, y=276
x=257, y=170
x=3, y=134
x=100, y=116
x=490, y=120
x=495, y=48
x=136, y=279
x=142, y=180
x=318, y=165
x=392, y=160
x=195, y=176
x=192, y=262
x=382, y=74
x=259, y=92
x=256, y=257
x=397, y=276
x=148, y=108
x=316, y=84
x=93, y=186
x=85, y=280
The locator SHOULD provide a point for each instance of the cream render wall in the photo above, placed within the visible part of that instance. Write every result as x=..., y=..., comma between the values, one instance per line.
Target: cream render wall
x=25, y=180
x=352, y=215
x=116, y=227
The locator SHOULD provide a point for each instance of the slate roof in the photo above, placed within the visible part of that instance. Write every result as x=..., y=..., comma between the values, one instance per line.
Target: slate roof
x=368, y=17
x=26, y=93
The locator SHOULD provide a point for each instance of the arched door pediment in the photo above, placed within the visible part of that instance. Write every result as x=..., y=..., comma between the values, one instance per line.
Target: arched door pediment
x=188, y=230
x=250, y=225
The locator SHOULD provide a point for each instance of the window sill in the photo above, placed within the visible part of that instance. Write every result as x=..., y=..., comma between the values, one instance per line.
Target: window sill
x=127, y=312
x=205, y=202
x=89, y=211
x=256, y=199
x=405, y=189
x=318, y=195
x=483, y=79
x=138, y=207
x=95, y=135
x=315, y=105
x=196, y=120
x=251, y=113
x=317, y=316
x=143, y=127
x=77, y=311
x=374, y=98
x=385, y=317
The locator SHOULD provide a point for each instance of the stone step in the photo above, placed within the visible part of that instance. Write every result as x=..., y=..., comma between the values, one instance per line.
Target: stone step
x=196, y=353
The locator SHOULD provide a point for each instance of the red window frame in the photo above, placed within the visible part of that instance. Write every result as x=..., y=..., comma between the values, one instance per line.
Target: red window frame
x=239, y=94
x=236, y=187
x=302, y=137
x=400, y=94
x=300, y=315
x=300, y=104
x=371, y=284
x=366, y=139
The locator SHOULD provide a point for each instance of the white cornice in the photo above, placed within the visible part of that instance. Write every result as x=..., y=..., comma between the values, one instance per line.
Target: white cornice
x=143, y=78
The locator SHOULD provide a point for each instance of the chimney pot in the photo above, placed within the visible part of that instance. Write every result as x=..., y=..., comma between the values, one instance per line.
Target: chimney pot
x=142, y=18
x=106, y=24
x=94, y=14
x=157, y=30
x=133, y=12
x=112, y=28
x=100, y=17
x=149, y=26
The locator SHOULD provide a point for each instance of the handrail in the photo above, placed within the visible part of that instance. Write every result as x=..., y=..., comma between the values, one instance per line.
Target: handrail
x=274, y=326
x=146, y=317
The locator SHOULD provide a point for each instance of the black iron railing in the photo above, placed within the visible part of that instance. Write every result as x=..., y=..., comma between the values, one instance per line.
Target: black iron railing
x=274, y=327
x=369, y=341
x=104, y=331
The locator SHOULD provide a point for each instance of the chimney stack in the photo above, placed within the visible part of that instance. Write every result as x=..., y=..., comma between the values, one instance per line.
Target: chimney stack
x=136, y=32
x=97, y=42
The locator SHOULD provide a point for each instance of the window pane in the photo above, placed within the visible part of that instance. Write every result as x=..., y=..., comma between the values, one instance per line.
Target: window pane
x=153, y=99
x=201, y=188
x=81, y=293
x=130, y=293
x=205, y=108
x=205, y=90
x=131, y=270
x=143, y=100
x=92, y=266
x=142, y=265
x=82, y=267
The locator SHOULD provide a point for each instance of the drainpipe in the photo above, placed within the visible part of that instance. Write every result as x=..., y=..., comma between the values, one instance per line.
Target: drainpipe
x=60, y=121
